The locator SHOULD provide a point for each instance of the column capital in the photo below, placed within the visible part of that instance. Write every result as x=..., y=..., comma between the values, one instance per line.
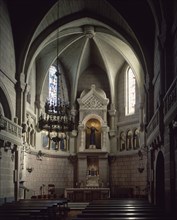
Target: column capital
x=73, y=111
x=112, y=112
x=20, y=87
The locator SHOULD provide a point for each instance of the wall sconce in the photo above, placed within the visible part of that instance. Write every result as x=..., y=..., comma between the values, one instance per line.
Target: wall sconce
x=8, y=146
x=29, y=169
x=140, y=169
x=39, y=155
x=141, y=164
x=23, y=127
x=174, y=123
x=26, y=148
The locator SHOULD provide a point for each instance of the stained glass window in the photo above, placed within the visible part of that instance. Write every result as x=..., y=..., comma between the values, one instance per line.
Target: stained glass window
x=130, y=92
x=52, y=85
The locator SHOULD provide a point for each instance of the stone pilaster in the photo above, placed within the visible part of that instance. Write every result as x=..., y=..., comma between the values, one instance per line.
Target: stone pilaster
x=112, y=113
x=19, y=101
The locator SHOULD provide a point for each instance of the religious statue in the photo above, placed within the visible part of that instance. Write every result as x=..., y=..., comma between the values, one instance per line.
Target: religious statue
x=92, y=135
x=62, y=143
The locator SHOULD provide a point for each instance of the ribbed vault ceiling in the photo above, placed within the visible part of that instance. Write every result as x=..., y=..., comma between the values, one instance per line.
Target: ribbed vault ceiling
x=83, y=43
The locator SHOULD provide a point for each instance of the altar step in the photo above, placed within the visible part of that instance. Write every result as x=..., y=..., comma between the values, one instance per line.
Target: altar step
x=77, y=205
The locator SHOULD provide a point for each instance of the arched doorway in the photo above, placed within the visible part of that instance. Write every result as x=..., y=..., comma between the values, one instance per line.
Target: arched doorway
x=160, y=182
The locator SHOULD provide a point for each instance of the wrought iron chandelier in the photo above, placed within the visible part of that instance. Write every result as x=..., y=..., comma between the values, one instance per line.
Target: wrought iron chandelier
x=57, y=117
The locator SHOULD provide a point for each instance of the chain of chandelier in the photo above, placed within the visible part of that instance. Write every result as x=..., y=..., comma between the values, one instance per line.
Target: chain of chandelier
x=57, y=118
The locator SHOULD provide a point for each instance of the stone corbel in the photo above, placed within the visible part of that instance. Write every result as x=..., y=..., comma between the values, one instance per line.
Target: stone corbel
x=38, y=103
x=74, y=133
x=111, y=159
x=72, y=158
x=112, y=133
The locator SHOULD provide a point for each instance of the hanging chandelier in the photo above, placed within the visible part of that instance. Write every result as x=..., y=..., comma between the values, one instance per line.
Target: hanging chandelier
x=57, y=118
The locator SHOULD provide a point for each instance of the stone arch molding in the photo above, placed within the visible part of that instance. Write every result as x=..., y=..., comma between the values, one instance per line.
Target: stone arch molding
x=92, y=116
x=93, y=105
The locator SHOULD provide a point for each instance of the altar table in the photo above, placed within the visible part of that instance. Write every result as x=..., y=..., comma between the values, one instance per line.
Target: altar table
x=86, y=194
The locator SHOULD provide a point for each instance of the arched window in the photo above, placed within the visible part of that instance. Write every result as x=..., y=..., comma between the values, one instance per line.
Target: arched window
x=129, y=144
x=130, y=92
x=136, y=139
x=122, y=141
x=55, y=82
x=52, y=84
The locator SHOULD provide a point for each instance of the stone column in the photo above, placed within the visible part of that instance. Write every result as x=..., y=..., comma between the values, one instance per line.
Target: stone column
x=16, y=173
x=74, y=160
x=19, y=101
x=112, y=132
x=81, y=138
x=112, y=113
x=25, y=92
x=141, y=117
x=104, y=143
x=73, y=114
x=39, y=105
x=73, y=134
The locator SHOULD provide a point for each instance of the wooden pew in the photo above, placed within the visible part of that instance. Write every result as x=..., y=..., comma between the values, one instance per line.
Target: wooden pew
x=125, y=218
x=19, y=214
x=60, y=205
x=34, y=209
x=122, y=209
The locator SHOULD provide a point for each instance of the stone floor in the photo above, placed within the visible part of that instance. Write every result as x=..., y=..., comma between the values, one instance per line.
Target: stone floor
x=75, y=209
x=72, y=214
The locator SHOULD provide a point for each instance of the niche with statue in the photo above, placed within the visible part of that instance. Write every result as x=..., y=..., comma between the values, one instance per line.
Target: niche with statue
x=93, y=144
x=93, y=134
x=93, y=129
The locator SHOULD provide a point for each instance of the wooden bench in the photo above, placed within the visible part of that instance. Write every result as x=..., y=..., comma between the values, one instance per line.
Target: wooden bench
x=125, y=218
x=122, y=209
x=60, y=205
x=122, y=192
x=34, y=209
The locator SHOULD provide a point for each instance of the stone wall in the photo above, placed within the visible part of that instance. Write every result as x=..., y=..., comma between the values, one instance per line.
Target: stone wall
x=175, y=75
x=125, y=174
x=6, y=177
x=156, y=78
x=7, y=58
x=93, y=76
x=49, y=170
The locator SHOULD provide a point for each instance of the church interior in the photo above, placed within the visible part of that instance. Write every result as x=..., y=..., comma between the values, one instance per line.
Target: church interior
x=88, y=101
